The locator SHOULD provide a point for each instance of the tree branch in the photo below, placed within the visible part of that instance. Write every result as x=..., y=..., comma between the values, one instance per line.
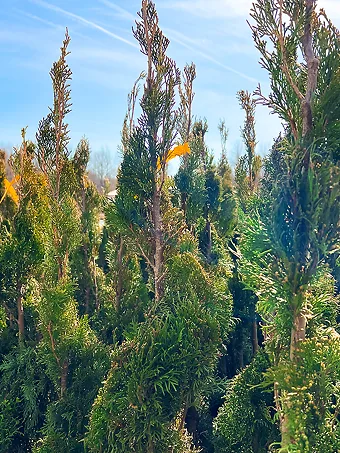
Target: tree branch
x=312, y=69
x=284, y=66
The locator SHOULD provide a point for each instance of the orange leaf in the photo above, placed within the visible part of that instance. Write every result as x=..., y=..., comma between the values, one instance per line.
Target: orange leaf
x=179, y=150
x=9, y=189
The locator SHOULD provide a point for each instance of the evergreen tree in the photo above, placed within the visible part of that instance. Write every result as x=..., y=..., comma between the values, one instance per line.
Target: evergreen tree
x=247, y=171
x=285, y=248
x=168, y=348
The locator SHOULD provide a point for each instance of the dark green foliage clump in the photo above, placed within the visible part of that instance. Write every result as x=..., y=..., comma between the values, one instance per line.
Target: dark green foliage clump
x=245, y=421
x=25, y=393
x=153, y=373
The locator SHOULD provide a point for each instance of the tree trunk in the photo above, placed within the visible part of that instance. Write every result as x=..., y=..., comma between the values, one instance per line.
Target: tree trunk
x=63, y=378
x=209, y=241
x=240, y=357
x=285, y=434
x=20, y=308
x=151, y=448
x=87, y=299
x=158, y=244
x=254, y=336
x=60, y=268
x=119, y=286
x=88, y=273
x=240, y=348
x=312, y=70
x=192, y=419
x=85, y=250
x=62, y=265
x=298, y=333
x=184, y=198
x=96, y=298
x=251, y=153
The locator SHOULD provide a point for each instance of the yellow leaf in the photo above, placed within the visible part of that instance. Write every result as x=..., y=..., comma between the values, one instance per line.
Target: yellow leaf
x=179, y=150
x=9, y=189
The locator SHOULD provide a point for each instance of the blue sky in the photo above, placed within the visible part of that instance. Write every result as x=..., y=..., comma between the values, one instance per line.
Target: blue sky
x=105, y=61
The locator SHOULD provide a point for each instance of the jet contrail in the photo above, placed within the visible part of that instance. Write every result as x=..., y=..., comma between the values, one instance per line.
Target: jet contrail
x=83, y=21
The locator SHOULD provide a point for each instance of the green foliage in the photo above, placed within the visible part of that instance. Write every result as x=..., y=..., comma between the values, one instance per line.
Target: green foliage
x=25, y=393
x=310, y=393
x=190, y=183
x=167, y=314
x=167, y=356
x=2, y=319
x=241, y=182
x=67, y=418
x=9, y=424
x=226, y=218
x=21, y=252
x=261, y=273
x=244, y=423
x=188, y=278
x=306, y=210
x=160, y=365
x=248, y=104
x=53, y=134
x=205, y=195
x=240, y=345
x=115, y=317
x=186, y=99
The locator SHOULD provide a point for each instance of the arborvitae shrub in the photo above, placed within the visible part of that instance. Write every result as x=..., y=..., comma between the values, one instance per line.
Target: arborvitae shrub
x=244, y=423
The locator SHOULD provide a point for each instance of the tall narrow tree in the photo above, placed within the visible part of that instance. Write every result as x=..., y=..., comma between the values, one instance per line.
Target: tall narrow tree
x=287, y=245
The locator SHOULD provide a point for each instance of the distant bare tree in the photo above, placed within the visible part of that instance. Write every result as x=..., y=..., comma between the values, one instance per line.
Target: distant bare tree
x=102, y=170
